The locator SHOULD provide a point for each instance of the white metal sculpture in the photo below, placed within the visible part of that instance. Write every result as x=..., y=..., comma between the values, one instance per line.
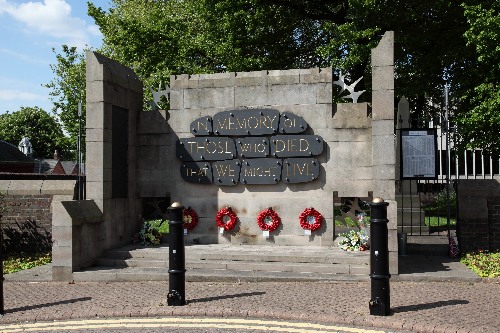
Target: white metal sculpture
x=158, y=94
x=354, y=95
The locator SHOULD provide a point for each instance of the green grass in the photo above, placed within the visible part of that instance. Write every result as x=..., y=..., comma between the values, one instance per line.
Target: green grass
x=483, y=264
x=21, y=261
x=435, y=221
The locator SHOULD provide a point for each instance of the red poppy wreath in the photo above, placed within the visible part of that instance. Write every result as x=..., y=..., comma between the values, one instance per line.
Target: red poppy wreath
x=310, y=219
x=220, y=220
x=268, y=220
x=190, y=218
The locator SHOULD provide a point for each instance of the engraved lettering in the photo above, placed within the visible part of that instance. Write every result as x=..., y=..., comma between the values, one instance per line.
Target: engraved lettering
x=224, y=170
x=304, y=145
x=289, y=122
x=204, y=125
x=196, y=172
x=256, y=122
x=242, y=124
x=272, y=121
x=280, y=146
x=223, y=125
x=211, y=151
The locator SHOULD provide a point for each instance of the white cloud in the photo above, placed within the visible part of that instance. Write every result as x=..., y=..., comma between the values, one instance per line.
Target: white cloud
x=50, y=17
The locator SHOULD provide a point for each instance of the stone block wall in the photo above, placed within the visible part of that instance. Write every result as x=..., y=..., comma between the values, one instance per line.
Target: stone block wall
x=112, y=91
x=306, y=93
x=478, y=215
x=352, y=164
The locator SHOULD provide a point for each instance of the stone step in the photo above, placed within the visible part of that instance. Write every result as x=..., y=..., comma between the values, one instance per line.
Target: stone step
x=427, y=245
x=331, y=255
x=339, y=268
x=132, y=274
x=252, y=263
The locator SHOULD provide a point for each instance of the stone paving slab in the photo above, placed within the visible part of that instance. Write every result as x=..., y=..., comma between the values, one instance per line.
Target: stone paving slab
x=416, y=306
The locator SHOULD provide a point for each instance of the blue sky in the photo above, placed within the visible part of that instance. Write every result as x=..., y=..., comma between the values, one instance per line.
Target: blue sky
x=28, y=32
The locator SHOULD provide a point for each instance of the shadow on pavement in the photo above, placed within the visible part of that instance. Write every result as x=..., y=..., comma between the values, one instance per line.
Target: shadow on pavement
x=418, y=307
x=39, y=306
x=424, y=264
x=215, y=298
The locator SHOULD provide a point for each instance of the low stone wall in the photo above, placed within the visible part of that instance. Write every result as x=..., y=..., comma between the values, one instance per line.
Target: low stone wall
x=479, y=215
x=78, y=230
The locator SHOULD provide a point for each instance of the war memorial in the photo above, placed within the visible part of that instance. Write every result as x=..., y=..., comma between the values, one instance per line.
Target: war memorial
x=252, y=153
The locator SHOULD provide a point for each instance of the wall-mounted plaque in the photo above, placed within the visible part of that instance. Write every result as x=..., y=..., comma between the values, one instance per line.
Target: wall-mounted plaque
x=300, y=170
x=201, y=126
x=205, y=149
x=246, y=122
x=291, y=124
x=260, y=171
x=252, y=147
x=249, y=146
x=226, y=172
x=296, y=145
x=197, y=172
x=419, y=154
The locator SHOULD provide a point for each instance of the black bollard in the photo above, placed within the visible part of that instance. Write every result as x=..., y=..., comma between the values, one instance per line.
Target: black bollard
x=176, y=265
x=380, y=303
x=2, y=310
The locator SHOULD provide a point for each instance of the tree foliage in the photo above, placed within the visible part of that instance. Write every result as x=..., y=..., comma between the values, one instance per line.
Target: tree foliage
x=438, y=43
x=67, y=89
x=42, y=129
x=480, y=126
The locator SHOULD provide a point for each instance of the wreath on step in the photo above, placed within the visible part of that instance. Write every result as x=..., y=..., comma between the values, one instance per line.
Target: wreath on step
x=226, y=218
x=310, y=219
x=268, y=220
x=190, y=218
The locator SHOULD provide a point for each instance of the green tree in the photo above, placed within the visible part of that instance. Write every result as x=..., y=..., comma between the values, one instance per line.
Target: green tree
x=67, y=89
x=479, y=127
x=42, y=129
x=438, y=43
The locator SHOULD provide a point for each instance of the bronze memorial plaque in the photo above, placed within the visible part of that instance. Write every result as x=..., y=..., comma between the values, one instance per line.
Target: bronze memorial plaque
x=248, y=122
x=296, y=145
x=205, y=149
x=252, y=147
x=202, y=126
x=197, y=172
x=300, y=170
x=226, y=172
x=261, y=171
x=249, y=146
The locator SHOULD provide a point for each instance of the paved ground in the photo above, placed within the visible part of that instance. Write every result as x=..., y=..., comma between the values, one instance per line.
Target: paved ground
x=432, y=294
x=416, y=306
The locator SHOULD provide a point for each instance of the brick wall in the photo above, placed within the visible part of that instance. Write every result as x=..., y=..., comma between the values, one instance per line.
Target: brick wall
x=27, y=223
x=27, y=214
x=479, y=215
x=19, y=208
x=494, y=222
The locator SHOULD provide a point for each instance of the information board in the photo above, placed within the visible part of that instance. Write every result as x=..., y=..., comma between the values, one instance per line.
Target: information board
x=418, y=154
